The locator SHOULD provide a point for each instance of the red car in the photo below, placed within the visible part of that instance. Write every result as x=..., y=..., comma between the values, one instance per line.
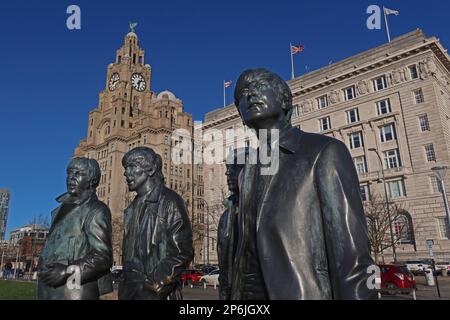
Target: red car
x=191, y=276
x=396, y=276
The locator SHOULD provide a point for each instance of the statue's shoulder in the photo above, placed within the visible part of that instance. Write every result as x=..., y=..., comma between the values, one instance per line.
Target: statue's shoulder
x=98, y=207
x=170, y=195
x=315, y=139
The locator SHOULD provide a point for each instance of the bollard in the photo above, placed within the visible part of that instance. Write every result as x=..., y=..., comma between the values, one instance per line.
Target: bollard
x=429, y=277
x=444, y=272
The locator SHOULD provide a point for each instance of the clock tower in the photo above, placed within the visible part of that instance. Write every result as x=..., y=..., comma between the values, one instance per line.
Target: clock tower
x=129, y=115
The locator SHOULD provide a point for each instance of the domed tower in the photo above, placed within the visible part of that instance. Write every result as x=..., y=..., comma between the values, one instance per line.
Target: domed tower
x=129, y=115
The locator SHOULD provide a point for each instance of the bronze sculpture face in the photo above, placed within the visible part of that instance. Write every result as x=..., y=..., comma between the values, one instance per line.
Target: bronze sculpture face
x=263, y=100
x=79, y=178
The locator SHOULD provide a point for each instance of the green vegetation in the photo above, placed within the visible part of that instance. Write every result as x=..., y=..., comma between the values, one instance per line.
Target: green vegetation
x=17, y=290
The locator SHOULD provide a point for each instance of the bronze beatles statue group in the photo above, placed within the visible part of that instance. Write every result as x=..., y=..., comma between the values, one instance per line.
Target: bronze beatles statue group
x=296, y=233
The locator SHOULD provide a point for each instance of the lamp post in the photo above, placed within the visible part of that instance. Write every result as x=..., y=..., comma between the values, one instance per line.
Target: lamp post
x=440, y=174
x=394, y=254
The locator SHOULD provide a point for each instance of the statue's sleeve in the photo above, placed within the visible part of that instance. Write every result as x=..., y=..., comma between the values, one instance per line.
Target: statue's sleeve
x=344, y=223
x=179, y=251
x=98, y=260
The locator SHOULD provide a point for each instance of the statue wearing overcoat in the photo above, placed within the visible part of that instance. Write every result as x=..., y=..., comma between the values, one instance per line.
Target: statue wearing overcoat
x=310, y=230
x=80, y=235
x=157, y=246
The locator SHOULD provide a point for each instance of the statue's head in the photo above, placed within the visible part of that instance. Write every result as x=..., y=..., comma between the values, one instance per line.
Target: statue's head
x=82, y=174
x=142, y=164
x=263, y=99
x=234, y=166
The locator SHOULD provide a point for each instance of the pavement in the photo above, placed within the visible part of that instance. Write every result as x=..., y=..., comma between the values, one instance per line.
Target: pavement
x=423, y=292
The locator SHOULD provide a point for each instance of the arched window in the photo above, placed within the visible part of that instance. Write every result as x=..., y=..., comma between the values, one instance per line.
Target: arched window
x=403, y=228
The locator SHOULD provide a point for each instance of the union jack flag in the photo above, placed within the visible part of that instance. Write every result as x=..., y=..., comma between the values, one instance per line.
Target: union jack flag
x=297, y=49
x=227, y=84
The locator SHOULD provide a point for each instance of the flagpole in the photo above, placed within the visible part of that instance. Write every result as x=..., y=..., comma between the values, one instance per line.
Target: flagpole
x=224, y=100
x=292, y=61
x=387, y=24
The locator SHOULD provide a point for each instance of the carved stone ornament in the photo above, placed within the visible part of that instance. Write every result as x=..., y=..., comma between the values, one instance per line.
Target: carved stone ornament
x=335, y=97
x=363, y=87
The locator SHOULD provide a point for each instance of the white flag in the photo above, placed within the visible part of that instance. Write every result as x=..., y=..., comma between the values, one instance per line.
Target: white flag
x=390, y=11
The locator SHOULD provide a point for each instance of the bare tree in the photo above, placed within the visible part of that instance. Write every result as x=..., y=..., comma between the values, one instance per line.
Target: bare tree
x=378, y=219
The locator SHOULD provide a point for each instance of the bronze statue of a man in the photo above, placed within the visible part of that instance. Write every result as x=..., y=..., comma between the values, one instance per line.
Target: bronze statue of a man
x=157, y=243
x=226, y=231
x=302, y=230
x=76, y=260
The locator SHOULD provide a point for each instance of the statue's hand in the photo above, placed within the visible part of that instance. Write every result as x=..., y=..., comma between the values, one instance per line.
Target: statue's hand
x=54, y=275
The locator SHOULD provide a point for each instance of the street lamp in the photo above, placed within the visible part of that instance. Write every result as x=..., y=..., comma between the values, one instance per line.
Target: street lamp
x=440, y=174
x=394, y=254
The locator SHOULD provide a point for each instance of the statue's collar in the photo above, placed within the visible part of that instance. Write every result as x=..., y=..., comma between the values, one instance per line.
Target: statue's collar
x=153, y=194
x=66, y=198
x=288, y=139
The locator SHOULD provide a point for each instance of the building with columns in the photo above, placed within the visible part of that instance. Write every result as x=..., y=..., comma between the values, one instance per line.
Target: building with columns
x=129, y=114
x=392, y=101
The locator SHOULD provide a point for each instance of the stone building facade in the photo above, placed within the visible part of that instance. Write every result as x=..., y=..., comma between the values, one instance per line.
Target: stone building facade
x=4, y=208
x=129, y=114
x=393, y=101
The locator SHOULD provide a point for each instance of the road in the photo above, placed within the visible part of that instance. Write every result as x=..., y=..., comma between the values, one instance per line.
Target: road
x=424, y=292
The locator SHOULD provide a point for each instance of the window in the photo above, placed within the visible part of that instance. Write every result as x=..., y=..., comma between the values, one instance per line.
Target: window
x=444, y=231
x=122, y=123
x=396, y=189
x=379, y=83
x=383, y=107
x=429, y=152
x=360, y=164
x=413, y=72
x=322, y=102
x=119, y=60
x=387, y=133
x=356, y=140
x=435, y=184
x=392, y=159
x=403, y=228
x=325, y=124
x=365, y=192
x=295, y=112
x=424, y=123
x=349, y=93
x=418, y=96
x=352, y=116
x=229, y=135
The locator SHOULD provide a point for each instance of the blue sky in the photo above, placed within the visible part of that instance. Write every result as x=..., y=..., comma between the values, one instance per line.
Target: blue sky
x=50, y=77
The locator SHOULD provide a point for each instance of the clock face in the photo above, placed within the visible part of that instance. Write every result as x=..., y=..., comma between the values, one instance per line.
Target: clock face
x=113, y=81
x=138, y=82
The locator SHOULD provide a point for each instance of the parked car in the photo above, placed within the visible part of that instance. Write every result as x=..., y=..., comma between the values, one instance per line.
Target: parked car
x=442, y=266
x=418, y=266
x=191, y=276
x=208, y=269
x=211, y=278
x=396, y=277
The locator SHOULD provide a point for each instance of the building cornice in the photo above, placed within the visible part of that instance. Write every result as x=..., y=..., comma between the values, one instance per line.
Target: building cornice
x=429, y=44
